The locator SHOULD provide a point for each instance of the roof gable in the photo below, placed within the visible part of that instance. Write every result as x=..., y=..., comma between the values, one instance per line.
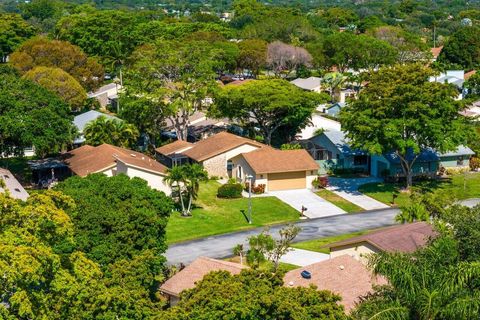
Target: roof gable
x=277, y=161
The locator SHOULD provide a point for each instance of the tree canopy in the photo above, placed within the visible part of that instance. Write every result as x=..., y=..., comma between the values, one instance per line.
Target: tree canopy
x=400, y=111
x=31, y=116
x=462, y=49
x=13, y=31
x=112, y=131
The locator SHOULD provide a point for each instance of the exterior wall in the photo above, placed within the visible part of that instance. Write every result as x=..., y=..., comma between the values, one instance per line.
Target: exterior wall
x=239, y=162
x=359, y=251
x=311, y=175
x=155, y=181
x=419, y=168
x=216, y=166
x=333, y=111
x=326, y=165
x=318, y=122
x=452, y=162
x=109, y=172
x=378, y=165
x=241, y=149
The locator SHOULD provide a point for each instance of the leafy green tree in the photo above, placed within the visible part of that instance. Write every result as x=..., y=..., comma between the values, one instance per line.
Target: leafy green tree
x=462, y=49
x=117, y=217
x=13, y=31
x=42, y=13
x=253, y=55
x=431, y=283
x=400, y=111
x=31, y=116
x=61, y=83
x=339, y=17
x=267, y=104
x=253, y=295
x=58, y=54
x=176, y=76
x=473, y=86
x=186, y=179
x=112, y=131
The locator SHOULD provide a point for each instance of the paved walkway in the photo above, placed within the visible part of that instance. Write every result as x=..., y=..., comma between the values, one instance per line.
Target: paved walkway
x=348, y=189
x=221, y=246
x=302, y=258
x=316, y=207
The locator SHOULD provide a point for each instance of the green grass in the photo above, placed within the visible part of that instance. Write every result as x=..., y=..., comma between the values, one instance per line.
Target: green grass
x=460, y=185
x=216, y=216
x=338, y=201
x=316, y=244
x=267, y=265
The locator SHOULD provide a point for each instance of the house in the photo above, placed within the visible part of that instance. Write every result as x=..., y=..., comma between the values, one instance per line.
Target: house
x=276, y=169
x=81, y=120
x=334, y=109
x=454, y=77
x=214, y=153
x=405, y=238
x=188, y=277
x=200, y=126
x=332, y=152
x=107, y=94
x=9, y=183
x=111, y=160
x=313, y=84
x=342, y=275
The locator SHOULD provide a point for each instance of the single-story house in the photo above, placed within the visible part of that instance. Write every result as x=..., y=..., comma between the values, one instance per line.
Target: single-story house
x=107, y=94
x=313, y=84
x=342, y=275
x=111, y=160
x=332, y=152
x=188, y=277
x=403, y=238
x=276, y=169
x=9, y=183
x=455, y=77
x=81, y=120
x=214, y=153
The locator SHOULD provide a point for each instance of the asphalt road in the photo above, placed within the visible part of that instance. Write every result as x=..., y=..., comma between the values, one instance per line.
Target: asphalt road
x=221, y=246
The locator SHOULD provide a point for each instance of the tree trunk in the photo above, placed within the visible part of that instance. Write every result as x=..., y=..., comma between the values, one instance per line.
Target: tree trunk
x=181, y=199
x=407, y=168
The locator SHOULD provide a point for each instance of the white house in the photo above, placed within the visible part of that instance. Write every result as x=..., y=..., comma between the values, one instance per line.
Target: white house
x=106, y=94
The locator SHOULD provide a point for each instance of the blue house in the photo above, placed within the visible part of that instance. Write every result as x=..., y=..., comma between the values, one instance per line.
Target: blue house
x=332, y=152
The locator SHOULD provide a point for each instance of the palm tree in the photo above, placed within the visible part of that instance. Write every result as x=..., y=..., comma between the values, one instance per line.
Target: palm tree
x=334, y=80
x=176, y=178
x=111, y=131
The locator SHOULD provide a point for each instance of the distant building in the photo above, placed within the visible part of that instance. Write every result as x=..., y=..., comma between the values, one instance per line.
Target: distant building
x=81, y=120
x=455, y=77
x=313, y=84
x=10, y=183
x=107, y=94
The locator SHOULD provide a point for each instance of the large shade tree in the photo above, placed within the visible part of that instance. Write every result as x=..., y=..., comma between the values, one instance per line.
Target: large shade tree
x=401, y=112
x=267, y=104
x=31, y=116
x=13, y=31
x=462, y=49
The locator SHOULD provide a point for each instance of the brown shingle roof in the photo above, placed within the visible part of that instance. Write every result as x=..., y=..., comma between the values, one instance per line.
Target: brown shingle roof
x=217, y=144
x=342, y=275
x=188, y=277
x=401, y=238
x=173, y=147
x=275, y=161
x=87, y=159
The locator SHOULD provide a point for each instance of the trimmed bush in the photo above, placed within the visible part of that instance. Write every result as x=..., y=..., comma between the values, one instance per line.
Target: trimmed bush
x=230, y=191
x=320, y=182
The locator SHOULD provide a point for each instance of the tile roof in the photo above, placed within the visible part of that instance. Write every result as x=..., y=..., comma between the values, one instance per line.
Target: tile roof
x=193, y=273
x=275, y=161
x=218, y=144
x=174, y=147
x=400, y=238
x=467, y=75
x=87, y=159
x=14, y=187
x=342, y=275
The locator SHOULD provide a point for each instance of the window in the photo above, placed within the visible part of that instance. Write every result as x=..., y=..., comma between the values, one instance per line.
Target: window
x=229, y=165
x=360, y=160
x=239, y=172
x=261, y=176
x=460, y=161
x=323, y=154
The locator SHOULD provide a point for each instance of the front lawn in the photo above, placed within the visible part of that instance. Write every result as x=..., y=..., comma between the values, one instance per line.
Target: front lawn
x=317, y=244
x=460, y=185
x=338, y=201
x=216, y=216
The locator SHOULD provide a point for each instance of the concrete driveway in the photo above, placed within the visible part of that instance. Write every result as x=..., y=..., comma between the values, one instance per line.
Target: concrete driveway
x=316, y=206
x=301, y=258
x=348, y=189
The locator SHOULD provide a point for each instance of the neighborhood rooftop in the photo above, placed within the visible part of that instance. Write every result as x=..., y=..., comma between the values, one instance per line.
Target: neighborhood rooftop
x=269, y=160
x=87, y=159
x=174, y=147
x=307, y=83
x=83, y=119
x=401, y=238
x=12, y=185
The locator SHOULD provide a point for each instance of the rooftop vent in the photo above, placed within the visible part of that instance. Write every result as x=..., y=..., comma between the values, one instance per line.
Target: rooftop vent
x=341, y=267
x=306, y=275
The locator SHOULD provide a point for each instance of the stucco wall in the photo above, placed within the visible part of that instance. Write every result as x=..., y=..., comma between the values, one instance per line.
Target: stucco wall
x=239, y=161
x=311, y=175
x=359, y=251
x=155, y=181
x=217, y=166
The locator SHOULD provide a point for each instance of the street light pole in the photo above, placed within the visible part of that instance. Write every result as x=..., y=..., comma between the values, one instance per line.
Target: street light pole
x=249, y=178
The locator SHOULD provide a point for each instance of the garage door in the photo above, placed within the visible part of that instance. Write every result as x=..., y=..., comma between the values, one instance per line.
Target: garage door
x=287, y=180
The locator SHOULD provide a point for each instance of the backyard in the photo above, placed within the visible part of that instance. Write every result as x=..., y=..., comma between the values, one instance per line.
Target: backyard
x=462, y=186
x=216, y=216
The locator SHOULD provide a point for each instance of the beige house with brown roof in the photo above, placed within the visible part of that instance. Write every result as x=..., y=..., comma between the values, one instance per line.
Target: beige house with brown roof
x=276, y=169
x=342, y=275
x=111, y=160
x=193, y=273
x=401, y=238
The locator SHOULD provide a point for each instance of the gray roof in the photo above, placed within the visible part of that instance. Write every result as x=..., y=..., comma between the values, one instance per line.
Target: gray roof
x=461, y=151
x=307, y=83
x=341, y=142
x=81, y=120
x=12, y=185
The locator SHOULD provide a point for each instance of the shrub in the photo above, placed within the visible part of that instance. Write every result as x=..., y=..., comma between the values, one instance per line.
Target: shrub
x=259, y=189
x=474, y=163
x=230, y=191
x=452, y=171
x=320, y=182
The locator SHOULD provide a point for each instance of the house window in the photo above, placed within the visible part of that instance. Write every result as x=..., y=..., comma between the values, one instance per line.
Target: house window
x=460, y=161
x=229, y=165
x=360, y=160
x=323, y=154
x=239, y=172
x=261, y=176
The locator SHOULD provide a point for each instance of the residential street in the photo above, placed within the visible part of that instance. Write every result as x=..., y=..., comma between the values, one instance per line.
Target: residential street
x=221, y=246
